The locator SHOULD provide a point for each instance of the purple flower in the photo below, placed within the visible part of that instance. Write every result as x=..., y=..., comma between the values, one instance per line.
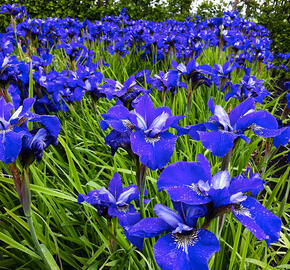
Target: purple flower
x=14, y=10
x=148, y=131
x=191, y=183
x=126, y=92
x=248, y=87
x=224, y=129
x=116, y=202
x=194, y=72
x=14, y=134
x=185, y=247
x=168, y=81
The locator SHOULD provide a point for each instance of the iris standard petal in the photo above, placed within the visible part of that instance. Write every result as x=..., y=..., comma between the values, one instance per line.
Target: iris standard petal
x=221, y=180
x=115, y=186
x=145, y=109
x=168, y=215
x=237, y=112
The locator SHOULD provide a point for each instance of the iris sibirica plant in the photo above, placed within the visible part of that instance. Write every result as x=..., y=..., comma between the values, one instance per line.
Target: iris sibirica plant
x=184, y=247
x=192, y=183
x=143, y=131
x=116, y=202
x=17, y=140
x=220, y=134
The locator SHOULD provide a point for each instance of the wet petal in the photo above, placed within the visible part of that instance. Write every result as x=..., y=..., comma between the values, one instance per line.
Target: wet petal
x=182, y=173
x=149, y=227
x=10, y=145
x=283, y=138
x=153, y=152
x=260, y=118
x=258, y=220
x=218, y=142
x=186, y=194
x=237, y=112
x=115, y=186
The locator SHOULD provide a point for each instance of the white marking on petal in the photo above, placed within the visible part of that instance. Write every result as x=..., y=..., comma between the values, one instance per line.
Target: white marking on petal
x=141, y=121
x=159, y=123
x=221, y=180
x=238, y=197
x=241, y=210
x=118, y=86
x=185, y=240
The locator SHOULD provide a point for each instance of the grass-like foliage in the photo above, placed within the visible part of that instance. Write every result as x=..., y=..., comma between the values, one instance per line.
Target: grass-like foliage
x=68, y=101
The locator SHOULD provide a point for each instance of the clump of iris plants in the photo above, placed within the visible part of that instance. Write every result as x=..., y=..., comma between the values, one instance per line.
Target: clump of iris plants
x=176, y=128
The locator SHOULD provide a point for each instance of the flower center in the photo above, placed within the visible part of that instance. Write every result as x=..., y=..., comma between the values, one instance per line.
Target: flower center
x=184, y=240
x=127, y=124
x=241, y=210
x=153, y=140
x=123, y=208
x=196, y=188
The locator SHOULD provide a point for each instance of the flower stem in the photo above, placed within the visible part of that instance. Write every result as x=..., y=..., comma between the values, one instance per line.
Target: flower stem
x=26, y=204
x=141, y=183
x=227, y=158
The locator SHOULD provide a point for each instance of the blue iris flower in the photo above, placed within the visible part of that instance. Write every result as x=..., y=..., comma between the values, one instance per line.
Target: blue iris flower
x=116, y=202
x=191, y=183
x=248, y=87
x=224, y=129
x=193, y=71
x=14, y=134
x=168, y=81
x=221, y=74
x=146, y=128
x=126, y=92
x=185, y=247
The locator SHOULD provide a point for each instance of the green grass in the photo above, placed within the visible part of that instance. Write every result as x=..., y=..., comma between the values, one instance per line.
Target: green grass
x=78, y=238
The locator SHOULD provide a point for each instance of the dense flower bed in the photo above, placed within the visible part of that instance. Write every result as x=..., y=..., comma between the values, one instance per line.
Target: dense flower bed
x=53, y=66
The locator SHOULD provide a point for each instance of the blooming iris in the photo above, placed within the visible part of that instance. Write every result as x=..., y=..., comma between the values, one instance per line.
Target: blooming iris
x=248, y=87
x=193, y=71
x=116, y=202
x=146, y=128
x=224, y=129
x=126, y=92
x=15, y=136
x=185, y=247
x=191, y=183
